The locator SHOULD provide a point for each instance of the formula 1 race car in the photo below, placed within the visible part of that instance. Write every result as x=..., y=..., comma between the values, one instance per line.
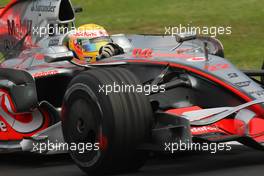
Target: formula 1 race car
x=163, y=89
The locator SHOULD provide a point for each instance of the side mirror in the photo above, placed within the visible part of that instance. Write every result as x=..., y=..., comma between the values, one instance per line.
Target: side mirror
x=59, y=57
x=185, y=37
x=78, y=9
x=57, y=54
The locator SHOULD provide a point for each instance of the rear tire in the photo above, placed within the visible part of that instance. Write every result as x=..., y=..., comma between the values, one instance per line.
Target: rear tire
x=120, y=122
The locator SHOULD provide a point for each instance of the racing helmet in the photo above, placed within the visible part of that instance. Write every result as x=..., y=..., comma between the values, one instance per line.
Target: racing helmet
x=87, y=40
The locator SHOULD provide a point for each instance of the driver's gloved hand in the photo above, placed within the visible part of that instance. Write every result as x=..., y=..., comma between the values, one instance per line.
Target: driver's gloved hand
x=109, y=50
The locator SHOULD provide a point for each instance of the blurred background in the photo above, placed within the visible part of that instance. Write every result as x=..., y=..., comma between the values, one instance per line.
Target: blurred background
x=244, y=47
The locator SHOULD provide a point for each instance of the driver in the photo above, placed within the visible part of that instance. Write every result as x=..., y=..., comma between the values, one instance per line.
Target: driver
x=91, y=43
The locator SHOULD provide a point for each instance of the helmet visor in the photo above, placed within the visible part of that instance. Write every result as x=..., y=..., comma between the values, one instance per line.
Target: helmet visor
x=94, y=44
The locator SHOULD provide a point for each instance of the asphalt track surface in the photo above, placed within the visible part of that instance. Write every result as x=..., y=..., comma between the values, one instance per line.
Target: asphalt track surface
x=241, y=161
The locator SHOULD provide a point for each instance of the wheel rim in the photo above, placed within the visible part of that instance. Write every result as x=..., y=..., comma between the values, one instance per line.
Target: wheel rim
x=85, y=126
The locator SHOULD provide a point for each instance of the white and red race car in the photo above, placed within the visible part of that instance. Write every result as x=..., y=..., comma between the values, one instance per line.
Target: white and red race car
x=179, y=92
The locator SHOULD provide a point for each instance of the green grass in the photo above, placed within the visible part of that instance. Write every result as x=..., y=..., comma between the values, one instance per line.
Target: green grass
x=244, y=47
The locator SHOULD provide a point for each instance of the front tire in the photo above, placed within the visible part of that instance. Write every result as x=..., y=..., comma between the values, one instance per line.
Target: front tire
x=119, y=122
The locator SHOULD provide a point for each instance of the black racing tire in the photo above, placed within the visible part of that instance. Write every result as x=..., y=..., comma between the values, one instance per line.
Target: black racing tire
x=215, y=46
x=120, y=121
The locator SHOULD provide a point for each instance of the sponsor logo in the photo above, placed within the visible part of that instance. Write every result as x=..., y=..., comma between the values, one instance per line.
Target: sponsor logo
x=54, y=42
x=37, y=7
x=142, y=53
x=18, y=126
x=216, y=67
x=243, y=84
x=232, y=75
x=259, y=93
x=149, y=53
x=196, y=59
x=45, y=73
x=83, y=32
x=205, y=129
x=19, y=27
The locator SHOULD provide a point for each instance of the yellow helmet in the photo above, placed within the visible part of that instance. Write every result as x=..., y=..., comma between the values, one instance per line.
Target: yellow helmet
x=87, y=40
